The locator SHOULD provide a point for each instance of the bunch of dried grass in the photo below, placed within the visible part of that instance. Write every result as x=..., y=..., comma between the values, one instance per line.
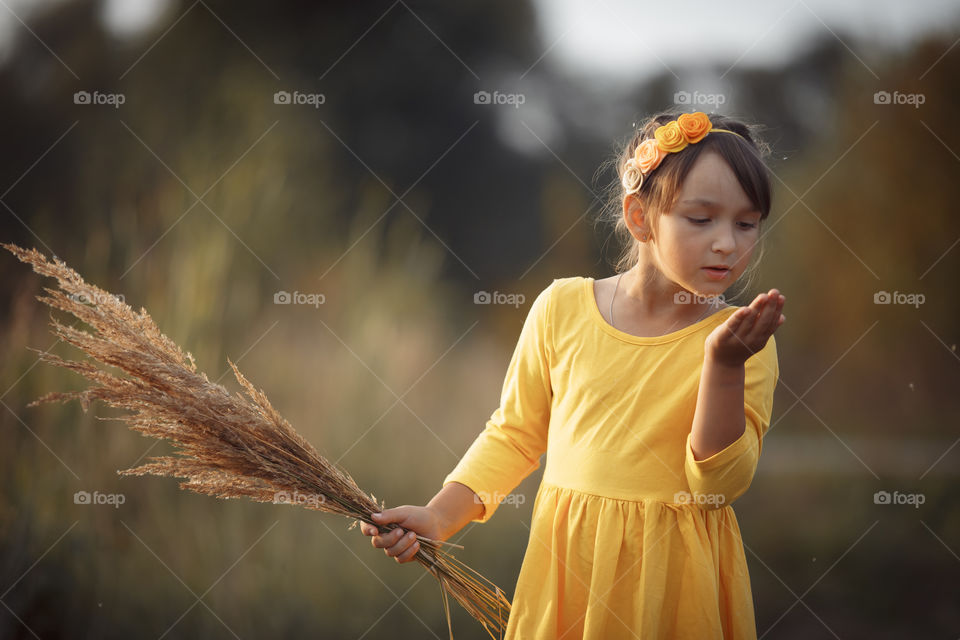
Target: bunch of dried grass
x=229, y=445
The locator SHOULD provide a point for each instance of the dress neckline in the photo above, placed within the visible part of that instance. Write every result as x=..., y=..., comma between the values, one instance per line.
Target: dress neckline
x=598, y=318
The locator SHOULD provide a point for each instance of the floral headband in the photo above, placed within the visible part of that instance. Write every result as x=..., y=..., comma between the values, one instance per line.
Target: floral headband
x=674, y=136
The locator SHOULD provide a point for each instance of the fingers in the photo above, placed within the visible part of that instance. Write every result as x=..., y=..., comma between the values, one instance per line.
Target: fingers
x=758, y=320
x=770, y=318
x=408, y=554
x=388, y=539
x=399, y=544
x=744, y=320
x=778, y=317
x=765, y=313
x=740, y=318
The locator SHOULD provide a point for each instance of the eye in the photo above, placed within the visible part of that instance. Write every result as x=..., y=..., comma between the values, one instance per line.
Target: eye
x=748, y=225
x=698, y=220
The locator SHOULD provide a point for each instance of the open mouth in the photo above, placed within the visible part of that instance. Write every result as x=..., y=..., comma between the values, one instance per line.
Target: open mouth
x=717, y=272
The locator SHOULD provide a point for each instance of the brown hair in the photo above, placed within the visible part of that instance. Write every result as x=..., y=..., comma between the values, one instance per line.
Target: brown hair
x=745, y=155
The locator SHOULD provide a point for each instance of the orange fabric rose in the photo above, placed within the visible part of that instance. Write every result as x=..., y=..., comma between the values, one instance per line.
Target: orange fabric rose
x=670, y=137
x=695, y=126
x=648, y=155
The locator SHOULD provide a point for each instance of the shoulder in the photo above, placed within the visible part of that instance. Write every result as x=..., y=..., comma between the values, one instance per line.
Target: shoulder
x=559, y=288
x=554, y=307
x=566, y=287
x=562, y=284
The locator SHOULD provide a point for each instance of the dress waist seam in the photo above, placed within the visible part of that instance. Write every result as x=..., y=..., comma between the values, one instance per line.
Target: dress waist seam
x=553, y=485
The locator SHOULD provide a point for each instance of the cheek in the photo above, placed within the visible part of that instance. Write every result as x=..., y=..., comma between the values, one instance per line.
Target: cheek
x=679, y=248
x=747, y=242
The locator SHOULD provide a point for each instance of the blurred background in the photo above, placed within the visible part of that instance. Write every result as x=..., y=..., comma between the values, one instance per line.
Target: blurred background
x=393, y=160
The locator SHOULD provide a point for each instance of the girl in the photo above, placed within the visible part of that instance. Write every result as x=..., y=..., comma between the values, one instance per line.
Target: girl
x=650, y=396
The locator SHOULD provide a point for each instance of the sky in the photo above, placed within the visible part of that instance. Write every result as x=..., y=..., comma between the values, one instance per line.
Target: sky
x=620, y=38
x=617, y=38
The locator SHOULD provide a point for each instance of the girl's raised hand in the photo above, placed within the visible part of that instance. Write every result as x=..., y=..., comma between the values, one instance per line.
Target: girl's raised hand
x=401, y=543
x=747, y=330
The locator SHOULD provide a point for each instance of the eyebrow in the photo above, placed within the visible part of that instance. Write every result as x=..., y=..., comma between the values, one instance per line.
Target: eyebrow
x=716, y=205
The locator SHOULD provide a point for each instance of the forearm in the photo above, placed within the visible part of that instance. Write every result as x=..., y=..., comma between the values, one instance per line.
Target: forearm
x=456, y=505
x=719, y=419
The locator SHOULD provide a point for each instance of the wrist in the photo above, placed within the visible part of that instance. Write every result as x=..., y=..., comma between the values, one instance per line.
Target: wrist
x=723, y=370
x=441, y=521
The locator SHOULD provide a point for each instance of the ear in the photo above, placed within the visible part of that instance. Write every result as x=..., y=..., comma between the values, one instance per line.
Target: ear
x=635, y=218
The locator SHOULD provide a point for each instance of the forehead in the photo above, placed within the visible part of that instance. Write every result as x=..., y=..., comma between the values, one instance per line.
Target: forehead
x=712, y=178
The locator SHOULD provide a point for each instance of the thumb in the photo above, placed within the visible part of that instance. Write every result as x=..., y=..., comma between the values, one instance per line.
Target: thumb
x=386, y=516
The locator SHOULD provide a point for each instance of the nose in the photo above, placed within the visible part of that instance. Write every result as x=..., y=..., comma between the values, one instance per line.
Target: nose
x=724, y=240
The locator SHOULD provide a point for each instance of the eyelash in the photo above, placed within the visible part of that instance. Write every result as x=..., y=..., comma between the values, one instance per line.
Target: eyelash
x=702, y=220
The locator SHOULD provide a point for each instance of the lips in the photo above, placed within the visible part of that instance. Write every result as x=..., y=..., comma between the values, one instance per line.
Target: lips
x=717, y=273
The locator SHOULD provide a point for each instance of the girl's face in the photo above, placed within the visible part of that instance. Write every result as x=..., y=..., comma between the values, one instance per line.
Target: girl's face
x=713, y=223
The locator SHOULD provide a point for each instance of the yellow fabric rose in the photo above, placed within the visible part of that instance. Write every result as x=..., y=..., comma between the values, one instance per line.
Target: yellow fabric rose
x=670, y=137
x=695, y=126
x=648, y=155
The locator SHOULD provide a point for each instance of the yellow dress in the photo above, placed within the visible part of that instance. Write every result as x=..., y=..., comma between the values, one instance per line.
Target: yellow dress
x=631, y=537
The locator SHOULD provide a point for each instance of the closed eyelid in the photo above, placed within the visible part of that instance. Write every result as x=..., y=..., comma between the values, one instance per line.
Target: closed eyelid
x=742, y=225
x=706, y=212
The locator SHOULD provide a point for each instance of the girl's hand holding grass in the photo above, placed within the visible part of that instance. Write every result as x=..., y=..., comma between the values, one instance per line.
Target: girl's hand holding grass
x=401, y=543
x=746, y=331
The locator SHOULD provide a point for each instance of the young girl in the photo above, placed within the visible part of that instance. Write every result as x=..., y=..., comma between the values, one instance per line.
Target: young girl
x=650, y=397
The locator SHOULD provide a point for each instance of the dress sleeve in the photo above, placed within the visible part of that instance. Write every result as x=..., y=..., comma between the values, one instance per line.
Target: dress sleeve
x=509, y=447
x=726, y=475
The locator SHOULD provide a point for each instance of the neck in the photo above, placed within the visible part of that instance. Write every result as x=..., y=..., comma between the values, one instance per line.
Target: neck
x=647, y=291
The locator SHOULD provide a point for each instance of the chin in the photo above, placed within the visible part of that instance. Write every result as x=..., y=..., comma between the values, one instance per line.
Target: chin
x=709, y=289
